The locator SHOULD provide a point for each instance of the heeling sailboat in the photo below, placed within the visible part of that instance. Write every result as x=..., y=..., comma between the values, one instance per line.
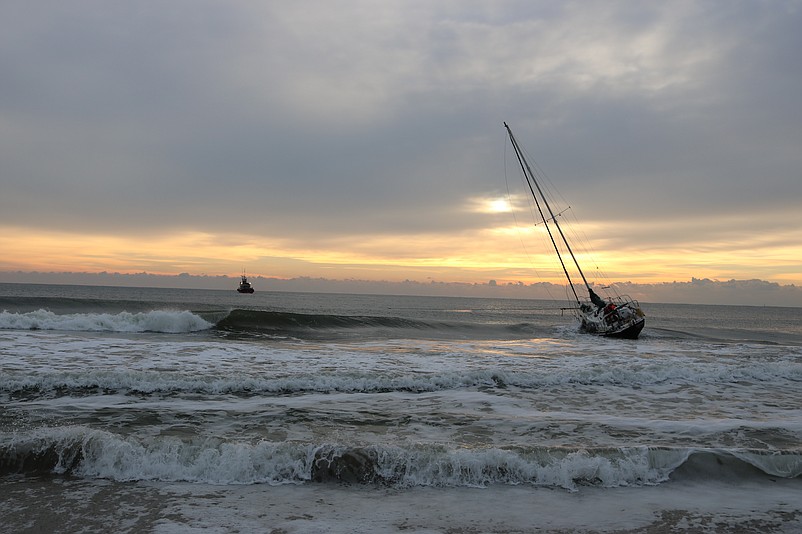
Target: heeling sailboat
x=617, y=316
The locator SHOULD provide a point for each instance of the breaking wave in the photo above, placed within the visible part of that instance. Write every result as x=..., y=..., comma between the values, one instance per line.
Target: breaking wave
x=83, y=452
x=166, y=321
x=250, y=323
x=126, y=381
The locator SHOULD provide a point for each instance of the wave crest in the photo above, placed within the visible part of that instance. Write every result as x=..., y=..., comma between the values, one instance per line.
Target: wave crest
x=79, y=451
x=166, y=321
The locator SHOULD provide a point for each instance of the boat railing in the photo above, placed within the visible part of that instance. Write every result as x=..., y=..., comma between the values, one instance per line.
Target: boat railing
x=618, y=301
x=612, y=313
x=623, y=300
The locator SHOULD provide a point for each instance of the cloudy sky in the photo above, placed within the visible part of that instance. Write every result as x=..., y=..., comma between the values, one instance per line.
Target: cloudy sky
x=364, y=139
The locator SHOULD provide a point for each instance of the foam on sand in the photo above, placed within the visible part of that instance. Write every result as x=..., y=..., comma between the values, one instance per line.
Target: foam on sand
x=72, y=505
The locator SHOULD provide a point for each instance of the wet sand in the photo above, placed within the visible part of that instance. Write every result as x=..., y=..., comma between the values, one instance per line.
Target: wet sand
x=48, y=504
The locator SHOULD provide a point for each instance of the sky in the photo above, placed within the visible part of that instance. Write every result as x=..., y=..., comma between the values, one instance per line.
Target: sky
x=364, y=140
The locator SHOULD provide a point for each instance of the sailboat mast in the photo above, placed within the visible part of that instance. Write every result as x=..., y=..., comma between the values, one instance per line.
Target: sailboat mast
x=530, y=179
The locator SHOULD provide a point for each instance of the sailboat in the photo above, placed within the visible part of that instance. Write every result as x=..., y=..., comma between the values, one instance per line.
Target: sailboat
x=614, y=316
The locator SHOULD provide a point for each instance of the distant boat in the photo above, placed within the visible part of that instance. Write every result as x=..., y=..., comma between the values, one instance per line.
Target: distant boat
x=617, y=316
x=244, y=285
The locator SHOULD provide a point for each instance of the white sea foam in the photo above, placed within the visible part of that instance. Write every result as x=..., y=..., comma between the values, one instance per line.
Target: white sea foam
x=152, y=321
x=100, y=454
x=213, y=366
x=90, y=453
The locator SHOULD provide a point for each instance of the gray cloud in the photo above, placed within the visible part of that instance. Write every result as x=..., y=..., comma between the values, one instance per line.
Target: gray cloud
x=305, y=119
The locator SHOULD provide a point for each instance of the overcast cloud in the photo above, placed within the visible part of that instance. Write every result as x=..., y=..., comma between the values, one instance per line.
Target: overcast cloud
x=319, y=122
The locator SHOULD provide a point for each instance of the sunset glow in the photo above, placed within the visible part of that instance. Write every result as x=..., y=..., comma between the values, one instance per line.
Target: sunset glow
x=507, y=253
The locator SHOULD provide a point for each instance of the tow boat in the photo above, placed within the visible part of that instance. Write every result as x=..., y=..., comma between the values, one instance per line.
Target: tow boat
x=245, y=286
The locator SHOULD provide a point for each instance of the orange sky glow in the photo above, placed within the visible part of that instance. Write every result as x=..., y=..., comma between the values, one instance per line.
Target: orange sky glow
x=506, y=253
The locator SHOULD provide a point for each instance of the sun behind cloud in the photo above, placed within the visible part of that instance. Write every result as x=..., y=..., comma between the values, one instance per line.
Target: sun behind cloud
x=490, y=205
x=499, y=205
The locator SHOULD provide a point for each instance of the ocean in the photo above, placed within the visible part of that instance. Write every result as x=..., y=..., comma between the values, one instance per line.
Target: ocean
x=167, y=411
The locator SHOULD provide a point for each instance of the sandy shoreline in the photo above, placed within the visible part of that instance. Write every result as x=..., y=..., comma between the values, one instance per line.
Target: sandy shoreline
x=61, y=505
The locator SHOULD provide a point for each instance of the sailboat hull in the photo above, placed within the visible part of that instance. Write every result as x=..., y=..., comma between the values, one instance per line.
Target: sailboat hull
x=623, y=323
x=631, y=331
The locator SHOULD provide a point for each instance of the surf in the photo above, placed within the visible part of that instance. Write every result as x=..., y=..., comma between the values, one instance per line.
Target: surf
x=92, y=453
x=253, y=323
x=161, y=321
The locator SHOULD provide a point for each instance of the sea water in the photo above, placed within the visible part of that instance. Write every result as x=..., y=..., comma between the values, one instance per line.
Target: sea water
x=130, y=409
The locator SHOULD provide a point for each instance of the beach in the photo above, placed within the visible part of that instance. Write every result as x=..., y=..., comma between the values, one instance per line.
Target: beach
x=81, y=506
